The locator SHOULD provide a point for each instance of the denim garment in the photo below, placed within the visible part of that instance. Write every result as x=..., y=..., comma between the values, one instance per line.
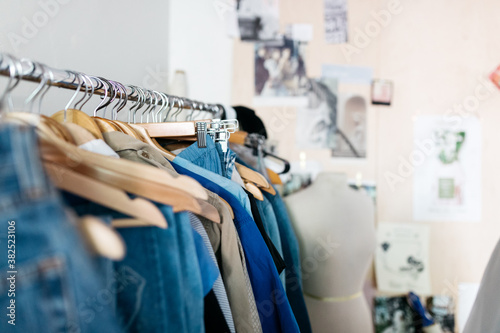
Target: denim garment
x=291, y=255
x=58, y=287
x=277, y=259
x=271, y=226
x=228, y=159
x=211, y=158
x=161, y=285
x=272, y=304
x=214, y=178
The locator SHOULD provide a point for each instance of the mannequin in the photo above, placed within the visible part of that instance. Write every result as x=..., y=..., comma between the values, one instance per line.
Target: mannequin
x=336, y=233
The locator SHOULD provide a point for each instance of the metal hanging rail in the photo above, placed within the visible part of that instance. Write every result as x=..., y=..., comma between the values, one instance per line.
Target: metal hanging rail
x=73, y=80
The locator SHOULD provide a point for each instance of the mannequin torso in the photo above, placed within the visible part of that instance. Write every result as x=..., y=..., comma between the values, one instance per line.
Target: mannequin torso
x=336, y=233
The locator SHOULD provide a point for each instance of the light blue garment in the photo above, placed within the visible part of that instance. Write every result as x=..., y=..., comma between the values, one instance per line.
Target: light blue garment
x=272, y=303
x=291, y=256
x=206, y=163
x=271, y=226
x=211, y=157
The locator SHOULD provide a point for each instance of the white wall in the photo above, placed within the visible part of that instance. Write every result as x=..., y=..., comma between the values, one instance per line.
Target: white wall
x=140, y=43
x=121, y=40
x=199, y=45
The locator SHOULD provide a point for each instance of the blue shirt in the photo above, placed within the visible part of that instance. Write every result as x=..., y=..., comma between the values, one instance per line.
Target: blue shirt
x=272, y=303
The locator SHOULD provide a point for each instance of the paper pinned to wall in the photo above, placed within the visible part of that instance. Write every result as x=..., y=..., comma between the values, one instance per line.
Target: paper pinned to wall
x=280, y=74
x=300, y=32
x=336, y=21
x=226, y=10
x=447, y=169
x=348, y=73
x=259, y=20
x=402, y=258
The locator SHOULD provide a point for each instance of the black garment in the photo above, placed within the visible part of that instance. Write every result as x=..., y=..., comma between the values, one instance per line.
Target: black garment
x=278, y=260
x=249, y=121
x=214, y=318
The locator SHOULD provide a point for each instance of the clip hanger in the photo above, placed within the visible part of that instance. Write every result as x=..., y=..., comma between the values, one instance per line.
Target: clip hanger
x=219, y=131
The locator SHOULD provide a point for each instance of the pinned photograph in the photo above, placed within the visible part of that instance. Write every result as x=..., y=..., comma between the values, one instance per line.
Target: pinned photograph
x=317, y=122
x=280, y=73
x=381, y=92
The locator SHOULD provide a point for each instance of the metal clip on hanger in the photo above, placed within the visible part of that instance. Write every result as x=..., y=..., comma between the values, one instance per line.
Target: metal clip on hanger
x=219, y=130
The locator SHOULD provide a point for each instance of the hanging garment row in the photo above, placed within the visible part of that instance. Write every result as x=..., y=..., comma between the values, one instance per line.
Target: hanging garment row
x=145, y=225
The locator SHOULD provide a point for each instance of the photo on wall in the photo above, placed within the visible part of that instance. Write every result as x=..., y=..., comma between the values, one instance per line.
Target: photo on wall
x=351, y=120
x=316, y=123
x=381, y=92
x=280, y=73
x=447, y=163
x=258, y=20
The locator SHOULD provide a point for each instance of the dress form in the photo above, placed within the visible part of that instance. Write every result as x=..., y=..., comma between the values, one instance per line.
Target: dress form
x=336, y=233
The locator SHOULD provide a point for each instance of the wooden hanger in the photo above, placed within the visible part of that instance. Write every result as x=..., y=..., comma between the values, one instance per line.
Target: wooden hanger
x=142, y=180
x=274, y=177
x=255, y=191
x=228, y=207
x=162, y=193
x=80, y=118
x=106, y=195
x=183, y=130
x=126, y=128
x=105, y=125
x=58, y=129
x=101, y=238
x=238, y=137
x=252, y=176
x=79, y=134
x=145, y=137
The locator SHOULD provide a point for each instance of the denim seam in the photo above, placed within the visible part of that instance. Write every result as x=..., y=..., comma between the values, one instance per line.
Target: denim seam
x=161, y=291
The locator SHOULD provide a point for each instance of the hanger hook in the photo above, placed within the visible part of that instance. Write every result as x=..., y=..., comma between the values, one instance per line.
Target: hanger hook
x=164, y=105
x=108, y=92
x=43, y=80
x=142, y=100
x=181, y=106
x=46, y=70
x=15, y=75
x=92, y=89
x=105, y=87
x=80, y=82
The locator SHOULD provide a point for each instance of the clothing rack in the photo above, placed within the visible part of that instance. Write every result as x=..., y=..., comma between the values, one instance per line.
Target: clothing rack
x=37, y=72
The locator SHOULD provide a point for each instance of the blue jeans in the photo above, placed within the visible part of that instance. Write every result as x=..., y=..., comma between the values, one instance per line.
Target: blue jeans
x=56, y=285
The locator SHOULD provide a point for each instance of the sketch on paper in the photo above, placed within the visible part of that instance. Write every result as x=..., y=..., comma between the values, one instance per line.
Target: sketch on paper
x=402, y=258
x=336, y=21
x=447, y=179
